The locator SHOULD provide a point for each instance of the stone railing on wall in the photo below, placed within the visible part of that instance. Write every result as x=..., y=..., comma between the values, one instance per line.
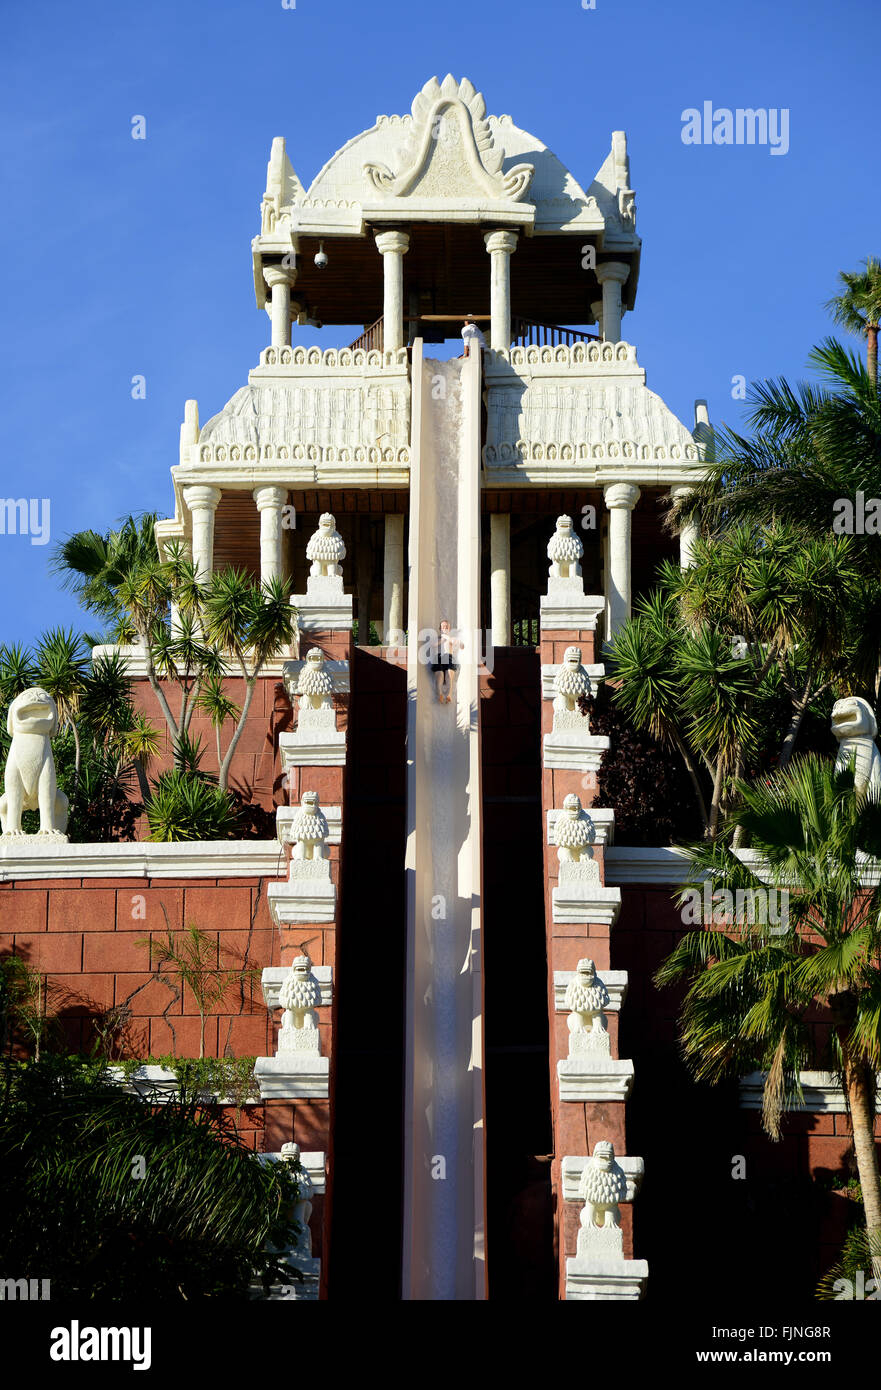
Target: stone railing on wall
x=590, y=1083
x=329, y=359
x=305, y=905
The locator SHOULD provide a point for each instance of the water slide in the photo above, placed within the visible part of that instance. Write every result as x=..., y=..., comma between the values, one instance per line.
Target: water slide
x=444, y=1180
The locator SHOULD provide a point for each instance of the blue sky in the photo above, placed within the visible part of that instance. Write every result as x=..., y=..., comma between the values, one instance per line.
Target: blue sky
x=123, y=257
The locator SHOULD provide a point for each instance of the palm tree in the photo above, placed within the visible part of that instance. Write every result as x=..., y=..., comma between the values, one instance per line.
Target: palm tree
x=93, y=566
x=813, y=445
x=215, y=702
x=716, y=647
x=752, y=985
x=858, y=308
x=62, y=668
x=249, y=624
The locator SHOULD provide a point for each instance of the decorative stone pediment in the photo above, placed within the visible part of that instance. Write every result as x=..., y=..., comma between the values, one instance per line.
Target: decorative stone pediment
x=450, y=151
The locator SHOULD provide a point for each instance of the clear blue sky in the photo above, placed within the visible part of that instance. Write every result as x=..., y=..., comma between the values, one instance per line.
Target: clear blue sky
x=122, y=257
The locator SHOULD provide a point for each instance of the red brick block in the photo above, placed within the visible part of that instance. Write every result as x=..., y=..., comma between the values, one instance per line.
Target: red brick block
x=146, y=995
x=279, y=1127
x=114, y=951
x=82, y=909
x=249, y=1035
x=91, y=993
x=312, y=1124
x=149, y=909
x=183, y=1038
x=24, y=911
x=210, y=908
x=58, y=953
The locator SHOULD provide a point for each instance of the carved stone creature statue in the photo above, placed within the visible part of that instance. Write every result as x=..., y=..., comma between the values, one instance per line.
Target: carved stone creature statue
x=309, y=829
x=603, y=1186
x=299, y=996
x=290, y=1153
x=314, y=686
x=587, y=997
x=855, y=727
x=571, y=682
x=564, y=551
x=326, y=548
x=30, y=783
x=573, y=831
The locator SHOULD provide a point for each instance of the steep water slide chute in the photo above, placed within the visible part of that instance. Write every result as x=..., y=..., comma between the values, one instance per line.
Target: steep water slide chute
x=444, y=1199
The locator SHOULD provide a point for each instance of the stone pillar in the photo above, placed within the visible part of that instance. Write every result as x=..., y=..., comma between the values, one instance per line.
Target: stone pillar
x=500, y=245
x=689, y=533
x=202, y=502
x=611, y=275
x=620, y=498
x=392, y=246
x=597, y=310
x=500, y=578
x=270, y=501
x=393, y=579
x=280, y=278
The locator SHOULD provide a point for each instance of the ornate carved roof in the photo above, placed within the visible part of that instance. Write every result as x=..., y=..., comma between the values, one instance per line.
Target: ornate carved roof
x=448, y=160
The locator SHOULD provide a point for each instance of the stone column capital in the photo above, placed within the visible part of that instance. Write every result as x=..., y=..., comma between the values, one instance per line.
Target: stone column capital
x=681, y=491
x=388, y=242
x=279, y=275
x=501, y=240
x=621, y=495
x=269, y=497
x=202, y=496
x=612, y=270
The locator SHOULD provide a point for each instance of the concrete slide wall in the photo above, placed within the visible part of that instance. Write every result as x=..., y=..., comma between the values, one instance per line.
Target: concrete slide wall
x=444, y=1200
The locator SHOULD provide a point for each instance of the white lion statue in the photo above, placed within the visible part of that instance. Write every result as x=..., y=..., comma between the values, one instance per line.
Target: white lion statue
x=30, y=783
x=309, y=829
x=326, y=548
x=564, y=551
x=603, y=1186
x=571, y=682
x=587, y=997
x=855, y=727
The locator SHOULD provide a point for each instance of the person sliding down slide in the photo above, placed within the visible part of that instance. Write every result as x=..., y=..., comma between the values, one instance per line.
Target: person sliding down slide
x=444, y=665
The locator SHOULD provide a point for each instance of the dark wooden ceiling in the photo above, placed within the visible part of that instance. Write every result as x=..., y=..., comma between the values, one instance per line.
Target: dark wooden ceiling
x=449, y=267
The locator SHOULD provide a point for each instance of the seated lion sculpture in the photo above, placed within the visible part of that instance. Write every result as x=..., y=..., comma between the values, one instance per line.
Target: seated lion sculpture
x=29, y=783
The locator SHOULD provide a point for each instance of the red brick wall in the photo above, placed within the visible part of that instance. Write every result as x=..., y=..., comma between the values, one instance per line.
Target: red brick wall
x=777, y=1218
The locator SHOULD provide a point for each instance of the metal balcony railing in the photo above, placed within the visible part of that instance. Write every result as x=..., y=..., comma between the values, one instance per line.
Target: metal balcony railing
x=530, y=333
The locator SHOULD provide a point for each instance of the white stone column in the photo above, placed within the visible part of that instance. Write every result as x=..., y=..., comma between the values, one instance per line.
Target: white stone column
x=597, y=310
x=280, y=278
x=620, y=498
x=393, y=580
x=392, y=246
x=611, y=275
x=500, y=246
x=202, y=501
x=689, y=532
x=500, y=578
x=270, y=501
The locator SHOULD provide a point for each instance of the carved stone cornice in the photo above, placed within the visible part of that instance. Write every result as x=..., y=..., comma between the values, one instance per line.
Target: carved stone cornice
x=483, y=160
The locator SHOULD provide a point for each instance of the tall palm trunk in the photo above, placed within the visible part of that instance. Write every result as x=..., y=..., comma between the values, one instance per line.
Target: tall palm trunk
x=872, y=352
x=859, y=1086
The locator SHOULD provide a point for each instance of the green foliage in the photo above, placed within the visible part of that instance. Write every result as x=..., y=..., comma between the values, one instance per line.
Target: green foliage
x=198, y=1224
x=749, y=991
x=711, y=653
x=842, y=1282
x=26, y=999
x=648, y=790
x=192, y=957
x=225, y=624
x=183, y=807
